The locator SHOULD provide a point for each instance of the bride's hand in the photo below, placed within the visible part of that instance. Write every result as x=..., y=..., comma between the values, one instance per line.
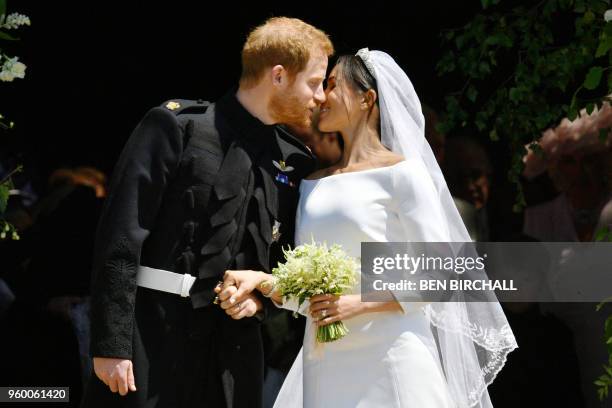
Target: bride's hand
x=244, y=281
x=244, y=308
x=326, y=309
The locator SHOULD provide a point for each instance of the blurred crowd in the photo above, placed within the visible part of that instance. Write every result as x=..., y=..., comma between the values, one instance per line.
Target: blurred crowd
x=567, y=180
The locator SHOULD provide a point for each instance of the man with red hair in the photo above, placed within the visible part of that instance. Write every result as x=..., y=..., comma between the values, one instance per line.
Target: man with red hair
x=201, y=188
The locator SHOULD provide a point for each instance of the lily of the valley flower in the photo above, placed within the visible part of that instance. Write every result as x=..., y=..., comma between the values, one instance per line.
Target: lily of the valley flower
x=608, y=15
x=14, y=20
x=12, y=69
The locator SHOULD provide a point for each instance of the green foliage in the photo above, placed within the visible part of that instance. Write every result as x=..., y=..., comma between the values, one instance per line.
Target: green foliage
x=6, y=229
x=603, y=234
x=4, y=195
x=8, y=37
x=525, y=68
x=604, y=382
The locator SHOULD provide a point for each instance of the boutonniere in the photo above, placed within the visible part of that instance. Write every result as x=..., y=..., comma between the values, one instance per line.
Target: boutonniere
x=282, y=166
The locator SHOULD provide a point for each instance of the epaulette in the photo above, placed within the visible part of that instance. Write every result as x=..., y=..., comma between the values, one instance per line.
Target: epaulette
x=181, y=106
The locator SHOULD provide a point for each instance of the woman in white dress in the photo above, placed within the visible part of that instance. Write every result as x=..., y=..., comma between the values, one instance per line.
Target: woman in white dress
x=386, y=187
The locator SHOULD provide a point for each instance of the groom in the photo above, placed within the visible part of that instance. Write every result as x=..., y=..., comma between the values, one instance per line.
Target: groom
x=201, y=188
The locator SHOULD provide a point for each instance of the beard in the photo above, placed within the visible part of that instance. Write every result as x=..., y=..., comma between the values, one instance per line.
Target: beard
x=289, y=110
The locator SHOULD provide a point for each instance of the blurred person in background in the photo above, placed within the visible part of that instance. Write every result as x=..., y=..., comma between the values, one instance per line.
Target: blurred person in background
x=468, y=171
x=578, y=162
x=47, y=332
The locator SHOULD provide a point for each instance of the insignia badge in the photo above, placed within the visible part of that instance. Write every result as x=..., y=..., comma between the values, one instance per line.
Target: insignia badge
x=282, y=166
x=173, y=105
x=276, y=231
x=282, y=178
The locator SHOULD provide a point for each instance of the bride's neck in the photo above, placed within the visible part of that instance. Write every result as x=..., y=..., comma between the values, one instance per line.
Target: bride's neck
x=360, y=144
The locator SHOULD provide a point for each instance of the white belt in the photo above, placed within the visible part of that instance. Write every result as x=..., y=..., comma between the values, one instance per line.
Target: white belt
x=165, y=281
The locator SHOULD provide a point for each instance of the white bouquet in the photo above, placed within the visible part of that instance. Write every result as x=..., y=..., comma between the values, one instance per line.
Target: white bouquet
x=312, y=269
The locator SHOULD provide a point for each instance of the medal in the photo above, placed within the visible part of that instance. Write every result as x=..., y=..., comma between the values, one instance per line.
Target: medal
x=276, y=231
x=281, y=177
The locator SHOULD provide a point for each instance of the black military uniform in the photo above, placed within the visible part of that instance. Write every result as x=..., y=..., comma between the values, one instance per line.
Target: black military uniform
x=199, y=188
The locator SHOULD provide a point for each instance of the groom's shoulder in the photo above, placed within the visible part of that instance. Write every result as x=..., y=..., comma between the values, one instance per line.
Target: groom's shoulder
x=186, y=106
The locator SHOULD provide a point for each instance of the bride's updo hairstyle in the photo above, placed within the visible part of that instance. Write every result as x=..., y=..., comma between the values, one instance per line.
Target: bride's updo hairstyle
x=352, y=72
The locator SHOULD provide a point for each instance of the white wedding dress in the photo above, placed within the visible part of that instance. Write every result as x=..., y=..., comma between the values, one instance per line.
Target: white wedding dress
x=388, y=359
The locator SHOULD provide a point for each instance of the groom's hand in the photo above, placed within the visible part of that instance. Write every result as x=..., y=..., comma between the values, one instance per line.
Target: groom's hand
x=247, y=307
x=117, y=373
x=240, y=283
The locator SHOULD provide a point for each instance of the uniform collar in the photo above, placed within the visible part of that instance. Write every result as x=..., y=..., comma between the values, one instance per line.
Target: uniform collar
x=247, y=125
x=257, y=135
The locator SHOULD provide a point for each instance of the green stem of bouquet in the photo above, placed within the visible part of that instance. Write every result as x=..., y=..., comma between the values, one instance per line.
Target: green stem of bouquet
x=331, y=332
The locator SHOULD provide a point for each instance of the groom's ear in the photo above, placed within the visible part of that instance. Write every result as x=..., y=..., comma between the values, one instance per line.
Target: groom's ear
x=278, y=74
x=368, y=99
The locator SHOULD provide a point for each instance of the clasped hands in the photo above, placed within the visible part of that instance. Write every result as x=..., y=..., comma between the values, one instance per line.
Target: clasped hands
x=235, y=296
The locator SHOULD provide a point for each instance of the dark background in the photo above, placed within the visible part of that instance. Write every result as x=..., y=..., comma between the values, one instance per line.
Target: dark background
x=94, y=68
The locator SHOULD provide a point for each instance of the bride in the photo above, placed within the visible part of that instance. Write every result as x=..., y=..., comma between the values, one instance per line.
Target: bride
x=386, y=187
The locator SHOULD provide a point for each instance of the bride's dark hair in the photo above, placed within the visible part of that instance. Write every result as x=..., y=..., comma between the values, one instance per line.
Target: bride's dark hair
x=355, y=73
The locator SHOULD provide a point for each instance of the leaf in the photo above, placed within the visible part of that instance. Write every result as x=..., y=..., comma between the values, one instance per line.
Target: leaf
x=472, y=93
x=4, y=195
x=604, y=46
x=493, y=135
x=602, y=234
x=505, y=41
x=517, y=208
x=593, y=78
x=484, y=68
x=580, y=8
x=590, y=107
x=514, y=94
x=2, y=7
x=572, y=111
x=5, y=36
x=608, y=327
x=459, y=41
